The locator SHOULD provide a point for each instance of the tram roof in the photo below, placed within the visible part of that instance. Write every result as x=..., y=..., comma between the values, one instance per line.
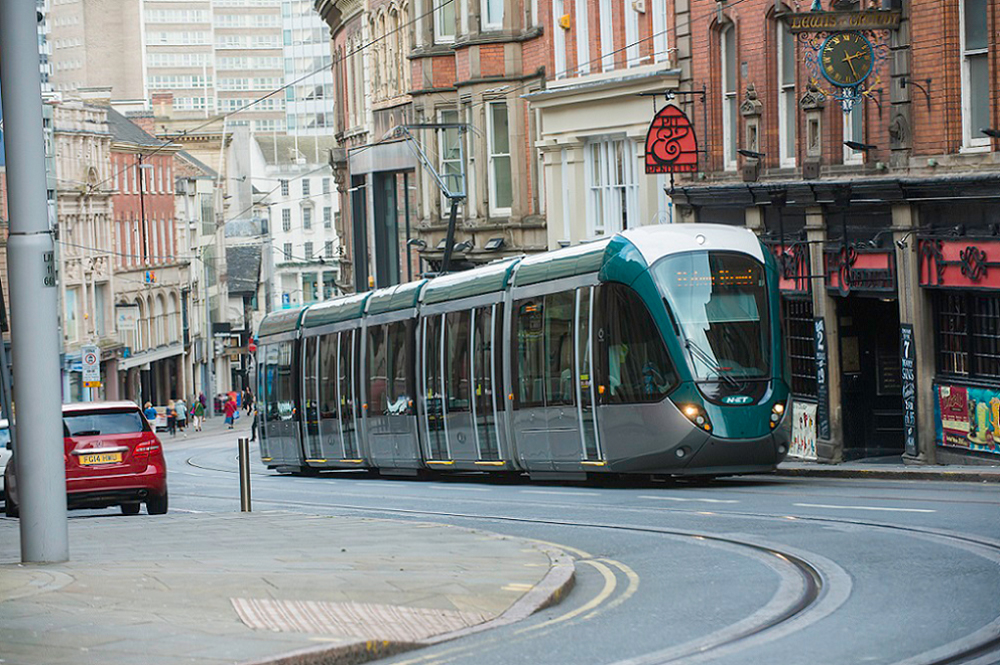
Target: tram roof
x=490, y=278
x=336, y=310
x=395, y=298
x=286, y=320
x=567, y=262
x=655, y=242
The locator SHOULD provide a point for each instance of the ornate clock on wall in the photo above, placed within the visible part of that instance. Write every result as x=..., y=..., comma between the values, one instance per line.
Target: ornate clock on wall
x=846, y=59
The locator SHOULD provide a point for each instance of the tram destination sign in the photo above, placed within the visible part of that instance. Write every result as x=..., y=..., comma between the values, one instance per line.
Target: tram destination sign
x=872, y=19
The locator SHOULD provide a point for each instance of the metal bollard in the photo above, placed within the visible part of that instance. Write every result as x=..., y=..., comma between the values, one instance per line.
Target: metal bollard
x=244, y=444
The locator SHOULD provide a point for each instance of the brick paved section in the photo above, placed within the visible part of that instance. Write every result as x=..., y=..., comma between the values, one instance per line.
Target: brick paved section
x=230, y=588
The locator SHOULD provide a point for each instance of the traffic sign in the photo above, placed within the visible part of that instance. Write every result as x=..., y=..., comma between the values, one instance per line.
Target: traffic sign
x=90, y=357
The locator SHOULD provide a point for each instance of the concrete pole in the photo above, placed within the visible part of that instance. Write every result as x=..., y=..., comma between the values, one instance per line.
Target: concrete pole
x=41, y=475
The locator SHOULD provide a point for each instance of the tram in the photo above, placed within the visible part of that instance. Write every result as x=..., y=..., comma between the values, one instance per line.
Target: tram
x=654, y=351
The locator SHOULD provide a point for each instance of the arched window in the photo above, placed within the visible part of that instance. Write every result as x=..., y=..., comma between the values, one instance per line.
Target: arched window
x=173, y=329
x=730, y=112
x=159, y=322
x=787, y=101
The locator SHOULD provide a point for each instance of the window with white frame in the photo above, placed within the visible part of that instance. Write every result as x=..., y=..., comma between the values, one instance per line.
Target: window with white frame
x=583, y=39
x=661, y=43
x=975, y=72
x=286, y=220
x=612, y=183
x=559, y=40
x=498, y=147
x=491, y=14
x=631, y=35
x=307, y=250
x=286, y=250
x=307, y=218
x=730, y=111
x=854, y=130
x=787, y=102
x=444, y=24
x=607, y=36
x=450, y=151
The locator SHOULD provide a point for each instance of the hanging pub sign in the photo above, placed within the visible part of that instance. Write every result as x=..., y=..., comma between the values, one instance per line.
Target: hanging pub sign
x=671, y=144
x=860, y=271
x=963, y=263
x=793, y=267
x=845, y=51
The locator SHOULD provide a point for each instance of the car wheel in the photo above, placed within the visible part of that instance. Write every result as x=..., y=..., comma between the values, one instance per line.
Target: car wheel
x=10, y=508
x=130, y=509
x=157, y=504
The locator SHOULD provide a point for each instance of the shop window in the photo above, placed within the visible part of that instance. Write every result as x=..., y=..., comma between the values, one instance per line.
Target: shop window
x=968, y=334
x=800, y=338
x=635, y=364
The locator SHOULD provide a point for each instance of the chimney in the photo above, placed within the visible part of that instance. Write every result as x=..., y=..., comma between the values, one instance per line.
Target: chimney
x=144, y=119
x=163, y=104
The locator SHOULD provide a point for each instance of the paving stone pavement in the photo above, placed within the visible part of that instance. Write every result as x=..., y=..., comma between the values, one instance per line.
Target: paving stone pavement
x=266, y=587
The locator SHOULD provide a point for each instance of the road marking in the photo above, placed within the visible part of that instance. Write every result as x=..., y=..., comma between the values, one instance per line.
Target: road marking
x=557, y=493
x=888, y=510
x=181, y=510
x=678, y=498
x=462, y=489
x=610, y=583
x=633, y=586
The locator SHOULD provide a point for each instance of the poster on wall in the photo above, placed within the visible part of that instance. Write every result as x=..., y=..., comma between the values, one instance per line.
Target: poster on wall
x=803, y=444
x=968, y=418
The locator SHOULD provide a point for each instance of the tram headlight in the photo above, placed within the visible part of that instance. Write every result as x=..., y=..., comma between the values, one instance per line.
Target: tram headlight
x=697, y=415
x=777, y=412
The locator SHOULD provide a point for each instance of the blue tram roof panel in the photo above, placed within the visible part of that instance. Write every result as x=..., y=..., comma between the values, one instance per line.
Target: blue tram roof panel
x=336, y=310
x=275, y=323
x=568, y=262
x=490, y=278
x=395, y=298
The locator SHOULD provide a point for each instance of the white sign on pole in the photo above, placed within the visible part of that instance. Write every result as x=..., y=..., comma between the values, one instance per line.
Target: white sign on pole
x=126, y=318
x=90, y=358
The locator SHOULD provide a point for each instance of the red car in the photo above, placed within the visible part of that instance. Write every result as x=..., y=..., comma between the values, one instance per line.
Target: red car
x=112, y=456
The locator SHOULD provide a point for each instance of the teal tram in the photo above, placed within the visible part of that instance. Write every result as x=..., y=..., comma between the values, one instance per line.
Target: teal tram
x=656, y=351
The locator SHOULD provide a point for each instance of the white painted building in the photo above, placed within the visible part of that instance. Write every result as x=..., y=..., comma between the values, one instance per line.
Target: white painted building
x=292, y=179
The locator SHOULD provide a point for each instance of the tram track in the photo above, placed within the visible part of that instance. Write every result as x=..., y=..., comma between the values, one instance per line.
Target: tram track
x=823, y=585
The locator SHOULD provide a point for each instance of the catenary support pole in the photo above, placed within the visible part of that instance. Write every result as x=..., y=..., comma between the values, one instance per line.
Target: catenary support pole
x=41, y=476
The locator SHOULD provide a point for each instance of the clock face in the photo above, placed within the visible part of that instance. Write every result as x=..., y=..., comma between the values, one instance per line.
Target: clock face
x=847, y=58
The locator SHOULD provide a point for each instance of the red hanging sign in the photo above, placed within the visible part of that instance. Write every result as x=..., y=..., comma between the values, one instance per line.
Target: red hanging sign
x=671, y=144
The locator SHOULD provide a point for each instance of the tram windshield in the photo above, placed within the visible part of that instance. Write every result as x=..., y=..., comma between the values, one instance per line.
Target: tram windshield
x=719, y=302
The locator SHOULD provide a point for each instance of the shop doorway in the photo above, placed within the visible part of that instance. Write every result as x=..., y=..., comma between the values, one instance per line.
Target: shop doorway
x=871, y=385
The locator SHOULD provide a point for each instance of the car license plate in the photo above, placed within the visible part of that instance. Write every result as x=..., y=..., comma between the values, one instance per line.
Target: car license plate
x=100, y=458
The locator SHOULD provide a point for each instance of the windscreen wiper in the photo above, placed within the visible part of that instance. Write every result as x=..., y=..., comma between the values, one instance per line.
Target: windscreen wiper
x=709, y=362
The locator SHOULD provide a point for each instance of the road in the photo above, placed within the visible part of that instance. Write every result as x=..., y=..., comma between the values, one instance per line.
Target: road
x=762, y=569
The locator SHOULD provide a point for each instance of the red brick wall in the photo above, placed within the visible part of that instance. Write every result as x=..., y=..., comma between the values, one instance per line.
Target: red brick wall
x=491, y=60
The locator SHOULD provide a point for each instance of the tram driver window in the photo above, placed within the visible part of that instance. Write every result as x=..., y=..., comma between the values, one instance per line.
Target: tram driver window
x=636, y=366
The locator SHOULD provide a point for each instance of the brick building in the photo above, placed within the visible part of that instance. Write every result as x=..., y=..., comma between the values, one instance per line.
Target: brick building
x=881, y=208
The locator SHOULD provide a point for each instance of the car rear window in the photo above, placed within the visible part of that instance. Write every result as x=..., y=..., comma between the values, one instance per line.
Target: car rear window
x=127, y=421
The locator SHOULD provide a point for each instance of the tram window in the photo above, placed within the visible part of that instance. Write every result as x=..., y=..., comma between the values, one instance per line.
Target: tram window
x=270, y=394
x=529, y=353
x=457, y=361
x=286, y=377
x=559, y=312
x=398, y=362
x=377, y=374
x=328, y=376
x=344, y=381
x=636, y=366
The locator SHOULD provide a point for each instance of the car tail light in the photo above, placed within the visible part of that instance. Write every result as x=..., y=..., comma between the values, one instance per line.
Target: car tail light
x=147, y=447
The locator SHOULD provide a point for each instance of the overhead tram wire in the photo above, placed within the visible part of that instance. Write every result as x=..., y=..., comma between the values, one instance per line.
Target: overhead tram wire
x=222, y=116
x=574, y=70
x=384, y=140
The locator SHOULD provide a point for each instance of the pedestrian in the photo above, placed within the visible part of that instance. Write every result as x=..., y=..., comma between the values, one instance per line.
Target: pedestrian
x=230, y=409
x=150, y=414
x=181, y=409
x=171, y=419
x=248, y=401
x=198, y=412
x=253, y=426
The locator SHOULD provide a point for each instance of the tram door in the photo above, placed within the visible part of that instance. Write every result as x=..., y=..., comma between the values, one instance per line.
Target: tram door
x=328, y=403
x=561, y=403
x=310, y=399
x=348, y=368
x=586, y=393
x=487, y=333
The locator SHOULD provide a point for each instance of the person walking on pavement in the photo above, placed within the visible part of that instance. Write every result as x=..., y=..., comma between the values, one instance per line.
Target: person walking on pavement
x=181, y=409
x=171, y=419
x=230, y=410
x=253, y=426
x=248, y=401
x=198, y=412
x=150, y=414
